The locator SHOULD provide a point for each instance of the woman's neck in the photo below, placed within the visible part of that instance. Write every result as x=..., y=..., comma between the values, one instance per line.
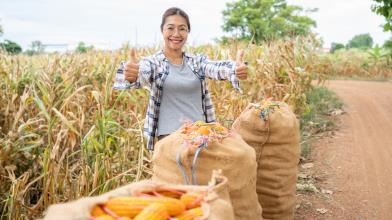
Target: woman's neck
x=174, y=56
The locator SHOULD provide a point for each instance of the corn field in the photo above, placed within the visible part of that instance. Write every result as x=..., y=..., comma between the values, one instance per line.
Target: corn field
x=65, y=134
x=375, y=63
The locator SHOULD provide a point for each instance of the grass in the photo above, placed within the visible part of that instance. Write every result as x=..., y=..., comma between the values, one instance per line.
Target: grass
x=316, y=119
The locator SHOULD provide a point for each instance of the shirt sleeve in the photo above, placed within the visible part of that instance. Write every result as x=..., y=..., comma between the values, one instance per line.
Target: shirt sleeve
x=144, y=78
x=220, y=70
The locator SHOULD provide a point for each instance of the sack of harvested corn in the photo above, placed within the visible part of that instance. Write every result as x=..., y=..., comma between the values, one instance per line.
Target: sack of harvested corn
x=191, y=154
x=272, y=129
x=150, y=200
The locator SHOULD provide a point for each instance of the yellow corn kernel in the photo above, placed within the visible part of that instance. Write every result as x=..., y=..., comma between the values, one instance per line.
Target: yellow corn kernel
x=173, y=206
x=191, y=214
x=191, y=199
x=131, y=206
x=97, y=211
x=108, y=217
x=171, y=194
x=104, y=217
x=127, y=206
x=203, y=130
x=155, y=211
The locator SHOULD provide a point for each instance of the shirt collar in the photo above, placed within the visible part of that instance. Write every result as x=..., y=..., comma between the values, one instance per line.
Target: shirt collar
x=161, y=56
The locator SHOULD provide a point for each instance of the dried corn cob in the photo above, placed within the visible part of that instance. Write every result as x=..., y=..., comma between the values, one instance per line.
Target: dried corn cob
x=104, y=217
x=131, y=206
x=170, y=194
x=192, y=199
x=173, y=206
x=127, y=206
x=97, y=211
x=109, y=217
x=155, y=211
x=191, y=214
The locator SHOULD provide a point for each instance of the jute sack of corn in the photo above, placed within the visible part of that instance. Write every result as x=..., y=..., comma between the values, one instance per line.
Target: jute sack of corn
x=151, y=200
x=272, y=129
x=190, y=154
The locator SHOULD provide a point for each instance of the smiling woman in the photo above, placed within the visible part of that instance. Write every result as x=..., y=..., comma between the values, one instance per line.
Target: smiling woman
x=175, y=27
x=176, y=79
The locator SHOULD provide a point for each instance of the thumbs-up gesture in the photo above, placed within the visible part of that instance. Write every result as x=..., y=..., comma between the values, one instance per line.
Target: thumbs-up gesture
x=131, y=70
x=241, y=70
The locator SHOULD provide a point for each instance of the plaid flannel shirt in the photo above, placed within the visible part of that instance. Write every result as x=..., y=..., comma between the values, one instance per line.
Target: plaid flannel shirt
x=153, y=71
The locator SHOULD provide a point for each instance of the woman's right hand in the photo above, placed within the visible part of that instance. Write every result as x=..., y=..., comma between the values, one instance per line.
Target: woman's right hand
x=131, y=70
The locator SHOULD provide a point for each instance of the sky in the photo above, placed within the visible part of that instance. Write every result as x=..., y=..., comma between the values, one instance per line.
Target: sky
x=109, y=24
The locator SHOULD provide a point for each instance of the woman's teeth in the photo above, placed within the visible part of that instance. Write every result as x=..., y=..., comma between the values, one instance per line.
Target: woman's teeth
x=176, y=41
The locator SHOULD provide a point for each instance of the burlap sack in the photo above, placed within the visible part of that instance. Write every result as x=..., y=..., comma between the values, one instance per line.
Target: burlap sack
x=276, y=141
x=233, y=156
x=217, y=204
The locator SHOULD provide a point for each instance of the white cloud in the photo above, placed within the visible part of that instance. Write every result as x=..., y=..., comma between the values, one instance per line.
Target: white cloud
x=339, y=21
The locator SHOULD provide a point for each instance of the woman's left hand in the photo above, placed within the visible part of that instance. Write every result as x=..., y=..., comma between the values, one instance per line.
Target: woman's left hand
x=241, y=70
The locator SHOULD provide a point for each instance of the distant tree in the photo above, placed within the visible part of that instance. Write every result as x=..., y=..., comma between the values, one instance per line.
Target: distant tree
x=261, y=20
x=335, y=47
x=83, y=48
x=362, y=41
x=36, y=47
x=384, y=8
x=11, y=47
x=388, y=44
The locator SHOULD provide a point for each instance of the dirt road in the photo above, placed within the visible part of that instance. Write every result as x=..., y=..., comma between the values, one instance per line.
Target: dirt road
x=355, y=166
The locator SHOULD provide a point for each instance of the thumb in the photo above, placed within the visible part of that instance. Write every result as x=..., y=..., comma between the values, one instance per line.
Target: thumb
x=240, y=56
x=133, y=54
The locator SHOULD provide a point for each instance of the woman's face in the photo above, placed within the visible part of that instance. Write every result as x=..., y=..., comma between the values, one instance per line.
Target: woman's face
x=175, y=32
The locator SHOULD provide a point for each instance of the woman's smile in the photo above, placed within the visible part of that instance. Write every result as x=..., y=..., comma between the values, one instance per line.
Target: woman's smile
x=175, y=40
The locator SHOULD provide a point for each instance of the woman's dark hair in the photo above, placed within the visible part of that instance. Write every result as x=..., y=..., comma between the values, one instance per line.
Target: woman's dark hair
x=175, y=11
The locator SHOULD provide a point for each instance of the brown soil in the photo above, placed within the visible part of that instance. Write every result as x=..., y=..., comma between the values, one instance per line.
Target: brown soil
x=355, y=164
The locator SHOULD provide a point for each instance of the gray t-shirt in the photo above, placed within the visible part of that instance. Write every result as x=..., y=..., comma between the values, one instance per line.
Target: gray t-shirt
x=181, y=99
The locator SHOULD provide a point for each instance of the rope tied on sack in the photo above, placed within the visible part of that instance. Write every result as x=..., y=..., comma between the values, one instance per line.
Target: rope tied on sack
x=197, y=136
x=264, y=109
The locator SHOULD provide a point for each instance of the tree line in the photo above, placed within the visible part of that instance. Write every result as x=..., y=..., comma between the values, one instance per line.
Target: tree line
x=360, y=41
